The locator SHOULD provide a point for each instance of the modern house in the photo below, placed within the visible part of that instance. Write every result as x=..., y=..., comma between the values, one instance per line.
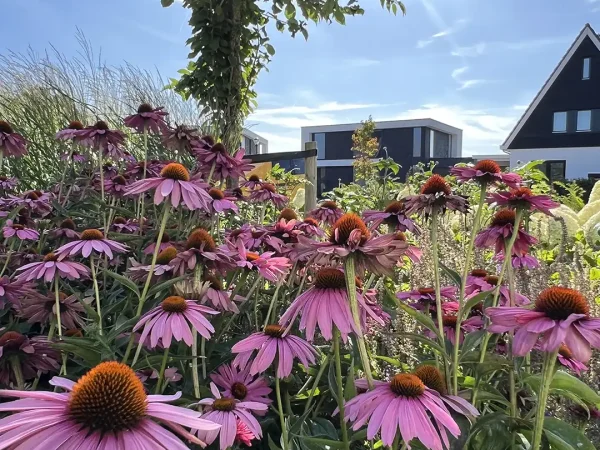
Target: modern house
x=254, y=143
x=562, y=124
x=408, y=142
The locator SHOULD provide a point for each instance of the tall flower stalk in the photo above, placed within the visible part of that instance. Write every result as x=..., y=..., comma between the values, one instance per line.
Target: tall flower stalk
x=546, y=381
x=340, y=387
x=97, y=294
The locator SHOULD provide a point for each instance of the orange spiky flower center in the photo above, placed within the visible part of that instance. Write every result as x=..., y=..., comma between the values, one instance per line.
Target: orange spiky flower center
x=488, y=166
x=345, y=225
x=215, y=283
x=400, y=236
x=558, y=303
x=251, y=257
x=32, y=196
x=407, y=385
x=492, y=279
x=270, y=187
x=145, y=108
x=5, y=127
x=431, y=377
x=216, y=193
x=239, y=391
x=565, y=351
x=201, y=238
x=426, y=291
x=108, y=399
x=175, y=171
x=166, y=256
x=274, y=330
x=504, y=217
x=479, y=273
x=521, y=192
x=174, y=304
x=92, y=235
x=330, y=278
x=311, y=221
x=329, y=204
x=395, y=207
x=101, y=125
x=11, y=340
x=75, y=125
x=288, y=214
x=120, y=220
x=68, y=223
x=50, y=257
x=224, y=404
x=436, y=185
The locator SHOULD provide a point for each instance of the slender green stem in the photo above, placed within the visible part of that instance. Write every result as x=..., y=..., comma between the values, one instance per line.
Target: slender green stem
x=463, y=283
x=284, y=431
x=203, y=355
x=511, y=368
x=161, y=374
x=8, y=254
x=272, y=308
x=1, y=161
x=547, y=376
x=212, y=171
x=340, y=387
x=195, y=378
x=315, y=384
x=16, y=367
x=350, y=275
x=64, y=172
x=97, y=292
x=57, y=305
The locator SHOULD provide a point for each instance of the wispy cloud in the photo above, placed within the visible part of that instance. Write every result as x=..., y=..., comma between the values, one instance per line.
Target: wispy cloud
x=424, y=43
x=470, y=51
x=481, y=48
x=446, y=31
x=457, y=74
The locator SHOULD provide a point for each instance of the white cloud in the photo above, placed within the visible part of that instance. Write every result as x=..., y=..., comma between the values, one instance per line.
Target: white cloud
x=470, y=51
x=470, y=83
x=282, y=142
x=465, y=84
x=446, y=31
x=456, y=73
x=424, y=43
x=520, y=107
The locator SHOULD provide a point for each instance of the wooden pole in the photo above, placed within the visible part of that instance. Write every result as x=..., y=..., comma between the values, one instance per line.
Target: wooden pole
x=310, y=172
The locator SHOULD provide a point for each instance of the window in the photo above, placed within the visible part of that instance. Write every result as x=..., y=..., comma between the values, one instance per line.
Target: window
x=560, y=122
x=586, y=68
x=417, y=142
x=584, y=120
x=554, y=170
x=319, y=138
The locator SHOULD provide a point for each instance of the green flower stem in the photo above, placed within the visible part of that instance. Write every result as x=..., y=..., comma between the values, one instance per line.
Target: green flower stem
x=195, y=378
x=350, y=275
x=97, y=292
x=1, y=160
x=8, y=254
x=203, y=355
x=212, y=171
x=340, y=387
x=271, y=313
x=161, y=374
x=16, y=368
x=64, y=172
x=547, y=376
x=142, y=203
x=511, y=369
x=315, y=384
x=463, y=283
x=57, y=305
x=281, y=416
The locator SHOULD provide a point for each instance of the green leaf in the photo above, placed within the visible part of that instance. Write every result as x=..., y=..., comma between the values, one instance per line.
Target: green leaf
x=333, y=386
x=272, y=444
x=350, y=388
x=452, y=274
x=563, y=436
x=166, y=3
x=124, y=281
x=424, y=340
x=563, y=381
x=473, y=301
x=163, y=286
x=339, y=16
x=424, y=320
x=270, y=49
x=322, y=443
x=471, y=341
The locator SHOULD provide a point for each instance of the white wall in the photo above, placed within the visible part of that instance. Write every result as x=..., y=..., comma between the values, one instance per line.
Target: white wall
x=581, y=161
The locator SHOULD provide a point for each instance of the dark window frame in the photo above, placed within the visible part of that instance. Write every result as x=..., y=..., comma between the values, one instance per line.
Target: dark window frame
x=566, y=130
x=546, y=165
x=589, y=68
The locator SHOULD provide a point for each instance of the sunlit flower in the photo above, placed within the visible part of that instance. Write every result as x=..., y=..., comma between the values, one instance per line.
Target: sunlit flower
x=91, y=240
x=175, y=318
x=565, y=357
x=105, y=409
x=42, y=309
x=216, y=159
x=12, y=229
x=269, y=344
x=393, y=215
x=238, y=383
x=51, y=266
x=327, y=212
x=100, y=137
x=561, y=315
x=147, y=119
x=268, y=266
x=123, y=225
x=523, y=198
x=485, y=171
x=219, y=298
x=243, y=435
x=226, y=411
x=267, y=192
x=181, y=138
x=500, y=231
x=70, y=132
x=11, y=143
x=436, y=196
x=280, y=235
x=33, y=356
x=201, y=249
x=219, y=202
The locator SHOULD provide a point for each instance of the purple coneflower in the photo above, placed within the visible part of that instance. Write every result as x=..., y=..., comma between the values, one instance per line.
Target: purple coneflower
x=565, y=357
x=270, y=343
x=269, y=267
x=219, y=202
x=139, y=271
x=310, y=228
x=37, y=202
x=8, y=183
x=520, y=261
x=436, y=196
x=279, y=236
x=327, y=212
x=100, y=137
x=486, y=171
x=253, y=182
x=164, y=244
x=171, y=375
x=66, y=229
x=201, y=249
x=406, y=405
x=477, y=284
x=11, y=143
x=42, y=309
x=523, y=198
x=135, y=170
x=561, y=315
x=73, y=157
x=216, y=163
x=147, y=119
x=226, y=411
x=449, y=322
x=107, y=408
x=326, y=305
x=238, y=383
x=213, y=292
x=32, y=356
x=123, y=225
x=243, y=435
x=50, y=266
x=500, y=231
x=181, y=138
x=91, y=240
x=12, y=229
x=174, y=318
x=70, y=132
x=413, y=252
x=394, y=215
x=116, y=186
x=12, y=291
x=425, y=296
x=251, y=237
x=174, y=183
x=267, y=192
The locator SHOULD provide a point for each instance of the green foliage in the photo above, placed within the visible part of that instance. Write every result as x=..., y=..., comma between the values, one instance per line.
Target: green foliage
x=570, y=194
x=365, y=147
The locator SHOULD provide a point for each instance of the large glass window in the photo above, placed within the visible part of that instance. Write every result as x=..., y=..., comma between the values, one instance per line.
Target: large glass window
x=319, y=138
x=584, y=120
x=555, y=170
x=586, y=68
x=417, y=142
x=560, y=122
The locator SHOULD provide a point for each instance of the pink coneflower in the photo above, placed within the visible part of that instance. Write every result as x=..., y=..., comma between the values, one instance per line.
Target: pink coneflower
x=42, y=309
x=436, y=196
x=466, y=326
x=243, y=435
x=219, y=202
x=267, y=192
x=12, y=291
x=213, y=292
x=327, y=212
x=174, y=183
x=405, y=405
x=413, y=252
x=122, y=225
x=426, y=295
x=250, y=236
x=215, y=160
x=253, y=182
x=147, y=119
x=236, y=193
x=74, y=156
x=105, y=409
x=116, y=186
x=486, y=171
x=171, y=375
x=8, y=183
x=70, y=132
x=12, y=229
x=393, y=215
x=91, y=240
x=139, y=271
x=175, y=318
x=33, y=356
x=181, y=138
x=279, y=236
x=561, y=315
x=500, y=230
x=565, y=357
x=51, y=266
x=478, y=283
x=239, y=384
x=135, y=170
x=310, y=227
x=11, y=143
x=226, y=411
x=100, y=137
x=65, y=229
x=350, y=236
x=326, y=305
x=520, y=260
x=523, y=198
x=37, y=202
x=270, y=343
x=269, y=267
x=164, y=244
x=201, y=249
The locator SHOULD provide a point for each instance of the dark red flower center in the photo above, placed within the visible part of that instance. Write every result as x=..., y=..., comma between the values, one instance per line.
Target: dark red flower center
x=110, y=398
x=426, y=291
x=400, y=236
x=166, y=256
x=431, y=377
x=174, y=304
x=395, y=207
x=119, y=179
x=449, y=320
x=216, y=194
x=224, y=404
x=32, y=196
x=239, y=391
x=492, y=279
x=330, y=278
x=345, y=225
x=274, y=330
x=3, y=178
x=50, y=257
x=479, y=273
x=559, y=303
x=269, y=187
x=120, y=220
x=11, y=340
x=565, y=351
x=311, y=221
x=521, y=192
x=68, y=224
x=200, y=238
x=101, y=125
x=407, y=385
x=5, y=127
x=329, y=204
x=208, y=139
x=504, y=217
x=75, y=125
x=488, y=166
x=254, y=178
x=219, y=148
x=175, y=171
x=92, y=235
x=145, y=108
x=215, y=283
x=436, y=185
x=288, y=214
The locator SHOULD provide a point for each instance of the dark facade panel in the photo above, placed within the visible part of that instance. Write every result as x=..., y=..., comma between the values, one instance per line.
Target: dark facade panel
x=330, y=177
x=569, y=92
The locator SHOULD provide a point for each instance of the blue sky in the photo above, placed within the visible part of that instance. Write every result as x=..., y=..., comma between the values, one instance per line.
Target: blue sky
x=474, y=64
